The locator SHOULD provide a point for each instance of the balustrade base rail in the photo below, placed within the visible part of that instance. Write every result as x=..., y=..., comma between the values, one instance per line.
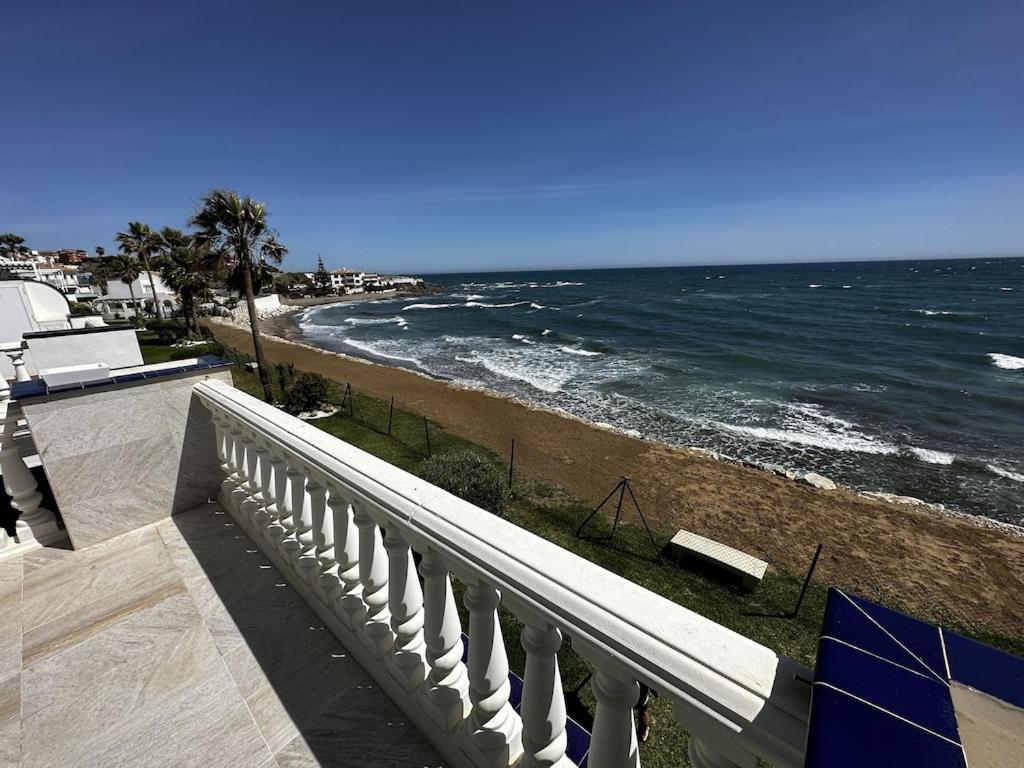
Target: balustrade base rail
x=341, y=526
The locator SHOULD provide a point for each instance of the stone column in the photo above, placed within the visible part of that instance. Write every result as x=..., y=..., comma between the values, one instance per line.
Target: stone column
x=344, y=587
x=373, y=575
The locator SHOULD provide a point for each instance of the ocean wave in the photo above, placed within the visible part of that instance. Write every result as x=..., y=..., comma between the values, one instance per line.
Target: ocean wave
x=815, y=285
x=496, y=306
x=933, y=457
x=400, y=321
x=522, y=338
x=537, y=370
x=580, y=352
x=1007, y=362
x=388, y=350
x=833, y=441
x=428, y=306
x=1015, y=476
x=546, y=332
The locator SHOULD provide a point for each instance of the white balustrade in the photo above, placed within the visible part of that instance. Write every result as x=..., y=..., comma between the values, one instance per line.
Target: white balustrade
x=317, y=507
x=35, y=525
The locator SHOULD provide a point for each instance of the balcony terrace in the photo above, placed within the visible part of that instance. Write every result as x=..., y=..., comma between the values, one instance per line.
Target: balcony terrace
x=289, y=622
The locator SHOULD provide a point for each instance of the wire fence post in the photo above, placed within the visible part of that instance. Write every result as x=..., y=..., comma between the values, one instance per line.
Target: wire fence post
x=807, y=581
x=391, y=413
x=511, y=462
x=426, y=431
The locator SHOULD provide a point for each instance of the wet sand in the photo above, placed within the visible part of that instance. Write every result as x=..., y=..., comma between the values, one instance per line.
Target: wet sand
x=943, y=566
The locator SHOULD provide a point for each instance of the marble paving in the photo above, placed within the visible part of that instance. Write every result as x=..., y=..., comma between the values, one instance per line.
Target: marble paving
x=180, y=645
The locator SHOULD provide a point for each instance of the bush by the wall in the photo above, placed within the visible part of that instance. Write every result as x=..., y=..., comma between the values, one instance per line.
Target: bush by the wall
x=468, y=475
x=167, y=331
x=197, y=351
x=306, y=392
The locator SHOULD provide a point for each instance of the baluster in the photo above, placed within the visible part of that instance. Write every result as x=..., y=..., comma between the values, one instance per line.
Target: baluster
x=226, y=442
x=296, y=507
x=447, y=681
x=35, y=522
x=18, y=361
x=405, y=602
x=310, y=523
x=494, y=729
x=325, y=577
x=613, y=743
x=346, y=587
x=373, y=575
x=264, y=496
x=543, y=708
x=278, y=507
x=239, y=492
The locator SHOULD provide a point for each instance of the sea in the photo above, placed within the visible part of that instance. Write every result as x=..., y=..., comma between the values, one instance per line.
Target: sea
x=900, y=377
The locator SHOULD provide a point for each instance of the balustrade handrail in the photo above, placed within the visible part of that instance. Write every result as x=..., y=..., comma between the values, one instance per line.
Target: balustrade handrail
x=716, y=678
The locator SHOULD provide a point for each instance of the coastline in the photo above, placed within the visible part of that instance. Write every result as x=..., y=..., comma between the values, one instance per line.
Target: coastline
x=938, y=561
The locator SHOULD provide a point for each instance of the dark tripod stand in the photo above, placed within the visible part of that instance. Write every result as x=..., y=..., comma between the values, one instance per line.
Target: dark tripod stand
x=621, y=490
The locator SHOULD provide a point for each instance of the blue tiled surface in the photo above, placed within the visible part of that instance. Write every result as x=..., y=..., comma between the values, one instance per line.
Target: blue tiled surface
x=919, y=698
x=919, y=638
x=23, y=390
x=859, y=736
x=985, y=668
x=881, y=688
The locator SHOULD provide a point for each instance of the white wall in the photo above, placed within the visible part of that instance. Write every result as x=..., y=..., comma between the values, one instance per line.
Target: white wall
x=26, y=307
x=118, y=290
x=114, y=347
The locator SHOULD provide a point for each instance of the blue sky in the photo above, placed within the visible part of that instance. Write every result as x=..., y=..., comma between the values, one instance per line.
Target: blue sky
x=451, y=136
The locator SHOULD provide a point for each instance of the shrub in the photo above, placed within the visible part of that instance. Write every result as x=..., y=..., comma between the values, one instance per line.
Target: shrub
x=167, y=331
x=470, y=476
x=197, y=351
x=307, y=392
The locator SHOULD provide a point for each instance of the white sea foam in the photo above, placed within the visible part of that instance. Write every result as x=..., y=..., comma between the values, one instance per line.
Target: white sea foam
x=933, y=457
x=815, y=285
x=1006, y=289
x=386, y=349
x=1015, y=476
x=537, y=370
x=823, y=439
x=428, y=306
x=546, y=332
x=558, y=284
x=580, y=352
x=932, y=312
x=522, y=338
x=401, y=321
x=495, y=306
x=1007, y=362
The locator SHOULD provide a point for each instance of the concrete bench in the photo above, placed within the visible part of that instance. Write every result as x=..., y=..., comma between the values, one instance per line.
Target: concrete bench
x=747, y=568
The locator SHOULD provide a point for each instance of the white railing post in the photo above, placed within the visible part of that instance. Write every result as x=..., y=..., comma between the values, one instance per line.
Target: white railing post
x=238, y=493
x=447, y=682
x=613, y=743
x=543, y=708
x=495, y=732
x=325, y=577
x=373, y=575
x=264, y=496
x=278, y=507
x=312, y=521
x=35, y=522
x=295, y=507
x=347, y=595
x=405, y=603
x=17, y=357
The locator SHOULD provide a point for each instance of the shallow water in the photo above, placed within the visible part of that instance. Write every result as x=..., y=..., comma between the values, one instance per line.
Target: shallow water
x=903, y=377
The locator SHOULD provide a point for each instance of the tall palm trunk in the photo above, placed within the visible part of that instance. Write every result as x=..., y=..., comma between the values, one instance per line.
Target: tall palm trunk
x=257, y=344
x=135, y=309
x=152, y=285
x=195, y=316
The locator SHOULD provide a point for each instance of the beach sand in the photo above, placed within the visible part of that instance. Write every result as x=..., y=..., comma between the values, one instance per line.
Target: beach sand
x=943, y=566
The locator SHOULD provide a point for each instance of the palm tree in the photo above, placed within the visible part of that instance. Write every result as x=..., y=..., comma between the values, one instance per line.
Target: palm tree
x=185, y=267
x=236, y=232
x=142, y=242
x=100, y=251
x=127, y=270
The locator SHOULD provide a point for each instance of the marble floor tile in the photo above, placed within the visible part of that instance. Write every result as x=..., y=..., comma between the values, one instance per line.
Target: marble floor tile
x=362, y=729
x=10, y=662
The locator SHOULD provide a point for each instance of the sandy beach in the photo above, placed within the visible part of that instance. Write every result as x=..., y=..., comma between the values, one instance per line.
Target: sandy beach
x=943, y=566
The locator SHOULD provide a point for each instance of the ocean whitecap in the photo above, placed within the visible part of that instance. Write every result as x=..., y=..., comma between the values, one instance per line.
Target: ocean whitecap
x=1007, y=362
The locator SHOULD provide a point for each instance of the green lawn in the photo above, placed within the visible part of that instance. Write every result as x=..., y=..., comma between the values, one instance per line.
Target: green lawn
x=554, y=514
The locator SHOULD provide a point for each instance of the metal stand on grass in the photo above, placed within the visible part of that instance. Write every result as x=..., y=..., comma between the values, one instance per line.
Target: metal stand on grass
x=621, y=490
